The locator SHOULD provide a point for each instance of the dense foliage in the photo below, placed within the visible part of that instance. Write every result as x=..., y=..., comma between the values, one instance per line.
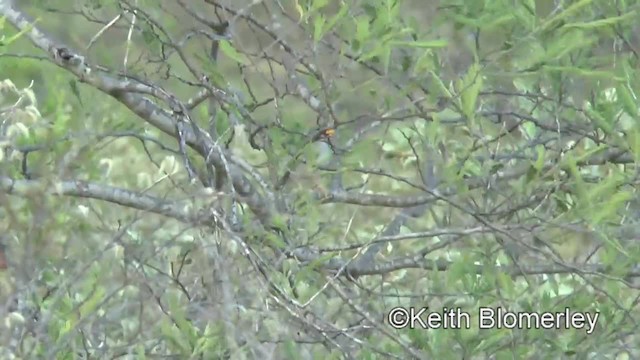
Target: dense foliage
x=248, y=179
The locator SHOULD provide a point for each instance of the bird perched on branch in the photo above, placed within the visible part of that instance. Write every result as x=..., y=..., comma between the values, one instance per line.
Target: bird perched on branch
x=302, y=170
x=321, y=149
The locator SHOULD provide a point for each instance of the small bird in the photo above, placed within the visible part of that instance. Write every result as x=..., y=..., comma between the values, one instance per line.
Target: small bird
x=321, y=149
x=317, y=153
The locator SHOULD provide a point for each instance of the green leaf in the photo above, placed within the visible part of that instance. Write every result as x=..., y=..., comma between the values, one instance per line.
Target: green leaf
x=463, y=20
x=469, y=89
x=491, y=340
x=4, y=42
x=564, y=14
x=600, y=121
x=226, y=48
x=459, y=270
x=439, y=85
x=571, y=165
x=540, y=160
x=606, y=187
x=386, y=58
x=148, y=36
x=610, y=207
x=501, y=20
x=204, y=345
x=222, y=124
x=423, y=64
x=91, y=304
x=175, y=337
x=140, y=352
x=590, y=74
x=275, y=240
x=421, y=44
x=318, y=4
x=632, y=138
x=343, y=11
x=565, y=44
x=68, y=325
x=626, y=100
x=590, y=152
x=362, y=29
x=603, y=22
x=179, y=317
x=318, y=24
x=300, y=11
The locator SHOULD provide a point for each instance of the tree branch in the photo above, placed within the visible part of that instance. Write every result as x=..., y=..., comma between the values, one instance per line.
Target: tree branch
x=84, y=189
x=144, y=108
